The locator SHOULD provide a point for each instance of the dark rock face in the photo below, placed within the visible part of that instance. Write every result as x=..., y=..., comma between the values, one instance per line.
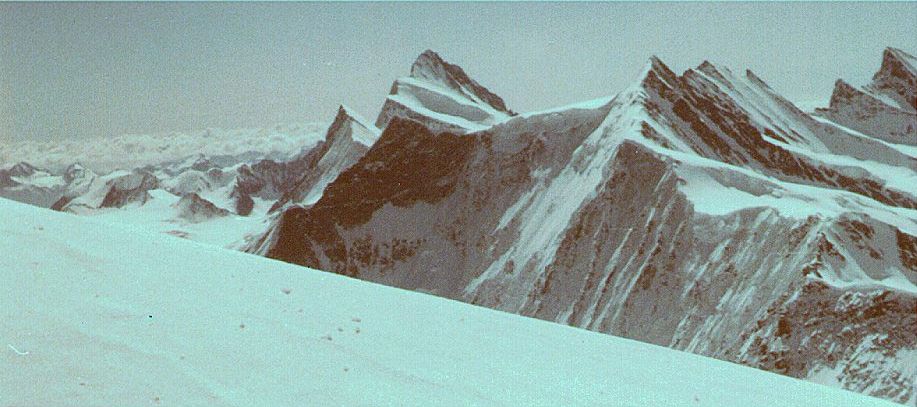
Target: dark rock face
x=716, y=127
x=265, y=177
x=410, y=181
x=269, y=179
x=5, y=180
x=26, y=183
x=130, y=188
x=346, y=141
x=244, y=204
x=61, y=203
x=897, y=77
x=193, y=208
x=858, y=336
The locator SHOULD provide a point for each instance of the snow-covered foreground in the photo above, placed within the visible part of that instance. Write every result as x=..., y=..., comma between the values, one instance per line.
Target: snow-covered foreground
x=92, y=314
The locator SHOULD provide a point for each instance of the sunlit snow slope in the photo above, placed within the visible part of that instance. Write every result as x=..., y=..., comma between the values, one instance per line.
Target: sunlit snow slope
x=133, y=319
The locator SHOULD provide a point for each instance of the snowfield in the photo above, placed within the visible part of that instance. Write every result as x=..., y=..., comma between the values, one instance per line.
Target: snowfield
x=96, y=314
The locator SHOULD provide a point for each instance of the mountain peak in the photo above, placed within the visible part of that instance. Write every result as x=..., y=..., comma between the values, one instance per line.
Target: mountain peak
x=756, y=79
x=896, y=63
x=706, y=67
x=431, y=67
x=348, y=122
x=23, y=169
x=897, y=78
x=443, y=96
x=346, y=112
x=843, y=91
x=896, y=54
x=718, y=72
x=428, y=58
x=656, y=64
x=74, y=171
x=655, y=71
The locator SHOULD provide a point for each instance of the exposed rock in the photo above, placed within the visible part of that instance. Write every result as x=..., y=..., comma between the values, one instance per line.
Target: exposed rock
x=348, y=138
x=130, y=188
x=443, y=97
x=193, y=208
x=690, y=211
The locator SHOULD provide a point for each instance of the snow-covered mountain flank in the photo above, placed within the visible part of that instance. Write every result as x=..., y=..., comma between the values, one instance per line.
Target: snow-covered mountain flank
x=129, y=318
x=700, y=211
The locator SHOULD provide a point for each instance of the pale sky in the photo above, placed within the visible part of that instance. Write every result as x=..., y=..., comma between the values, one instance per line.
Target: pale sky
x=81, y=70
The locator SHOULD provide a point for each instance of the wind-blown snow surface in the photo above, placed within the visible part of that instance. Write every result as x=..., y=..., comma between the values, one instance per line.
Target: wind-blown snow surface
x=105, y=154
x=130, y=318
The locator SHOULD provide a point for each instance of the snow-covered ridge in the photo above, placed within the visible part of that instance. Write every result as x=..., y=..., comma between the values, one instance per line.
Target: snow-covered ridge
x=82, y=323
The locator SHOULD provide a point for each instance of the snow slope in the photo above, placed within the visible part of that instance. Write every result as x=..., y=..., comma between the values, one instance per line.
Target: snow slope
x=130, y=318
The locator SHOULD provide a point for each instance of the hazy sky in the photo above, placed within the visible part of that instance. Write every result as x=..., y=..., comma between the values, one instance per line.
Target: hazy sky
x=78, y=70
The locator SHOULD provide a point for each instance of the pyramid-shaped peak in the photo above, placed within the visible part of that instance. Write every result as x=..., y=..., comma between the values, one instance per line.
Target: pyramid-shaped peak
x=348, y=122
x=892, y=53
x=430, y=67
x=897, y=78
x=720, y=72
x=843, y=92
x=346, y=113
x=897, y=63
x=717, y=69
x=428, y=57
x=655, y=63
x=656, y=70
x=706, y=66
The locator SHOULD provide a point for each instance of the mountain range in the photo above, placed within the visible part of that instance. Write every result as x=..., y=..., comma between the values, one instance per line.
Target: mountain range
x=699, y=211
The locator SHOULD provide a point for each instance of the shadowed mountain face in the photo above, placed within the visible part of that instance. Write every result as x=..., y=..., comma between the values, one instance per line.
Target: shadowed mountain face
x=699, y=211
x=347, y=139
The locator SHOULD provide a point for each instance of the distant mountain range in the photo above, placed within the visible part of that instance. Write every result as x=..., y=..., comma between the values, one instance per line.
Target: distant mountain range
x=700, y=211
